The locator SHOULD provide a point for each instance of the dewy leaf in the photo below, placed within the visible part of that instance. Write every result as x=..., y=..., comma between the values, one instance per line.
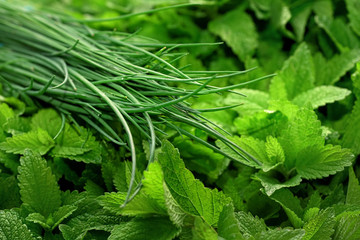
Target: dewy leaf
x=188, y=192
x=38, y=187
x=320, y=96
x=12, y=228
x=353, y=7
x=37, y=140
x=321, y=226
x=353, y=192
x=296, y=76
x=228, y=225
x=152, y=228
x=238, y=30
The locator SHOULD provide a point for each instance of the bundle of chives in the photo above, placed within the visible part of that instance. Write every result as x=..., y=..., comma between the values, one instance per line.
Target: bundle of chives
x=102, y=76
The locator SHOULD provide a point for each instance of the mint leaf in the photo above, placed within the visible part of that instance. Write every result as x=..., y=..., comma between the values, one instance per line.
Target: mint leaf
x=188, y=192
x=203, y=231
x=62, y=213
x=291, y=206
x=281, y=234
x=320, y=96
x=38, y=187
x=295, y=77
x=250, y=225
x=351, y=138
x=153, y=183
x=238, y=30
x=328, y=72
x=318, y=163
x=5, y=113
x=347, y=227
x=353, y=8
x=37, y=140
x=12, y=228
x=272, y=184
x=353, y=192
x=339, y=32
x=9, y=192
x=228, y=225
x=321, y=226
x=157, y=228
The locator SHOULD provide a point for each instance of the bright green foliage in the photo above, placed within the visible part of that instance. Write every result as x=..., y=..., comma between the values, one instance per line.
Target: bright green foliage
x=295, y=77
x=157, y=228
x=237, y=29
x=353, y=7
x=348, y=227
x=38, y=187
x=203, y=231
x=321, y=226
x=228, y=226
x=37, y=140
x=12, y=228
x=188, y=192
x=353, y=192
x=320, y=96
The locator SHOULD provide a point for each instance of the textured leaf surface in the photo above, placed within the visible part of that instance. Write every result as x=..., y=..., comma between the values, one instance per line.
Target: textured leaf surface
x=320, y=96
x=189, y=192
x=321, y=226
x=296, y=76
x=250, y=225
x=353, y=192
x=237, y=29
x=228, y=227
x=157, y=228
x=12, y=228
x=38, y=187
x=281, y=234
x=38, y=141
x=353, y=7
x=348, y=228
x=351, y=137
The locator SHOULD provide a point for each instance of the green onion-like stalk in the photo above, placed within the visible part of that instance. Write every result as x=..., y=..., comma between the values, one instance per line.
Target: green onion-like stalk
x=102, y=76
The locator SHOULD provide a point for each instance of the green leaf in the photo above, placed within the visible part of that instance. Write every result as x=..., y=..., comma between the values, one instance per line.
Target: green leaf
x=238, y=30
x=351, y=138
x=261, y=124
x=339, y=32
x=157, y=228
x=12, y=228
x=62, y=213
x=353, y=192
x=315, y=163
x=321, y=226
x=271, y=184
x=153, y=183
x=302, y=131
x=290, y=204
x=37, y=140
x=281, y=234
x=328, y=72
x=77, y=227
x=228, y=225
x=255, y=101
x=320, y=96
x=296, y=76
x=39, y=219
x=142, y=204
x=203, y=231
x=10, y=161
x=353, y=7
x=188, y=192
x=300, y=16
x=347, y=228
x=38, y=187
x=274, y=151
x=9, y=192
x=5, y=113
x=250, y=225
x=17, y=125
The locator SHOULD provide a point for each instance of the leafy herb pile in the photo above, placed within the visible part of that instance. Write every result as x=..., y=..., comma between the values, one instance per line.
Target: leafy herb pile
x=302, y=126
